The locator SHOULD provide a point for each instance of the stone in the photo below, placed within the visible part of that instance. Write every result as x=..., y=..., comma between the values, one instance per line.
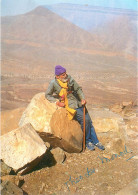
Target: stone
x=127, y=103
x=47, y=144
x=16, y=179
x=105, y=121
x=22, y=148
x=133, y=123
x=52, y=124
x=69, y=131
x=5, y=169
x=38, y=113
x=8, y=187
x=115, y=146
x=116, y=108
x=118, y=145
x=59, y=155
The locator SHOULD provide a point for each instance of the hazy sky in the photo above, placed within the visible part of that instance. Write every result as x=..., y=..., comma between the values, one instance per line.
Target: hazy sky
x=13, y=7
x=127, y=4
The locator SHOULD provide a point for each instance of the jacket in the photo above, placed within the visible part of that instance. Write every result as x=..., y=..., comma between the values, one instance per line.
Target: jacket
x=75, y=93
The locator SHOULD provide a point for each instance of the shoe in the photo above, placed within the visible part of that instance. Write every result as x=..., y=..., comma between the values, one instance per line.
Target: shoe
x=90, y=146
x=100, y=146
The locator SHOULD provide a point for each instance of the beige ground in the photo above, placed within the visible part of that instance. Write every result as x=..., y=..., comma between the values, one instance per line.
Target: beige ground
x=108, y=177
x=103, y=178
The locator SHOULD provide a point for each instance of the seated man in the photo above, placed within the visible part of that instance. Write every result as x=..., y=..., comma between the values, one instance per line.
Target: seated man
x=69, y=94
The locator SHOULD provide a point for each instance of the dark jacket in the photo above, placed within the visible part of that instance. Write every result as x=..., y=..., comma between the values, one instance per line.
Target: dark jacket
x=74, y=96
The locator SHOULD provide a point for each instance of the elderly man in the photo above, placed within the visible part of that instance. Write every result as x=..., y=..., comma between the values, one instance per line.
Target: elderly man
x=66, y=92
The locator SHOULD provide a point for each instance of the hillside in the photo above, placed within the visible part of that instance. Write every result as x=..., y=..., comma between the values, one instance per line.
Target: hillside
x=43, y=37
x=33, y=43
x=120, y=24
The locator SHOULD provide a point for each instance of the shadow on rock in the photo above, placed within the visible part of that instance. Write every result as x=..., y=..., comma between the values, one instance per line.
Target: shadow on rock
x=48, y=160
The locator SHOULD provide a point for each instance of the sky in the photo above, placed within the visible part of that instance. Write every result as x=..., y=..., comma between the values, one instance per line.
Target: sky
x=14, y=7
x=125, y=4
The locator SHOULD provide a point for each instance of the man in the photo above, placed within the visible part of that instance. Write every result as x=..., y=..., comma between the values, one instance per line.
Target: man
x=66, y=92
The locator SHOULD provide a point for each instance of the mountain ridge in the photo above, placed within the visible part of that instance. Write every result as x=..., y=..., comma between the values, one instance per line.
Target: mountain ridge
x=42, y=38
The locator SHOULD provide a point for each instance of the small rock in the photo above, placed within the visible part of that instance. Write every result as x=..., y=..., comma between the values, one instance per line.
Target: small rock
x=16, y=179
x=8, y=187
x=127, y=103
x=59, y=155
x=47, y=144
x=5, y=169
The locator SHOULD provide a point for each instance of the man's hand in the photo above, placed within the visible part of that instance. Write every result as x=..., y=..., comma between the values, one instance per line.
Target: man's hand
x=62, y=98
x=83, y=102
x=60, y=104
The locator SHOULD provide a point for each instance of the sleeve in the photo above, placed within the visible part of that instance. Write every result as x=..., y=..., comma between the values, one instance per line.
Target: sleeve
x=78, y=90
x=49, y=93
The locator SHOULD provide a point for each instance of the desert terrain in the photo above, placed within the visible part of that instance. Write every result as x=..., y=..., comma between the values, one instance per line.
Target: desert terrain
x=102, y=59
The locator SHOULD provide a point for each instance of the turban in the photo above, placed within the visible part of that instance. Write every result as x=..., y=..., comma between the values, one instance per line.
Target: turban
x=59, y=70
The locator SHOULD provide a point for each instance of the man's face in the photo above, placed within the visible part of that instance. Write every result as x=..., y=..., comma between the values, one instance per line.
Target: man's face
x=63, y=77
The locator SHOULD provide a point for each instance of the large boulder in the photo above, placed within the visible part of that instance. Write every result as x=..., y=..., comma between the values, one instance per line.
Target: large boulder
x=38, y=113
x=22, y=148
x=105, y=121
x=69, y=131
x=52, y=124
x=112, y=127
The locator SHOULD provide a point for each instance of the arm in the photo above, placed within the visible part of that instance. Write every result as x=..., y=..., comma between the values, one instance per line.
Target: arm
x=49, y=93
x=78, y=90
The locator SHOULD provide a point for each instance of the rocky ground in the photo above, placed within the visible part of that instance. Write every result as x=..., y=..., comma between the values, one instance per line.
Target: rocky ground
x=108, y=172
x=84, y=173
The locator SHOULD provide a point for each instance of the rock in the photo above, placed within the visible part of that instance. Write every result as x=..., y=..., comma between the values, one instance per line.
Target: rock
x=52, y=124
x=59, y=155
x=47, y=144
x=16, y=179
x=38, y=113
x=68, y=131
x=133, y=123
x=127, y=103
x=8, y=187
x=123, y=131
x=115, y=146
x=22, y=148
x=104, y=120
x=118, y=145
x=116, y=108
x=5, y=169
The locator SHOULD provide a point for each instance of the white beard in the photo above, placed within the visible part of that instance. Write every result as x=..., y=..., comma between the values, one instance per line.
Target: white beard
x=64, y=80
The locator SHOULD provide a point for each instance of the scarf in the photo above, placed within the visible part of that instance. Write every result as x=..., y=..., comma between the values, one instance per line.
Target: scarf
x=71, y=112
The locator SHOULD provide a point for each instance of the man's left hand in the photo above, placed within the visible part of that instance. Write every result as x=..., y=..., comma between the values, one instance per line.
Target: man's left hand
x=83, y=102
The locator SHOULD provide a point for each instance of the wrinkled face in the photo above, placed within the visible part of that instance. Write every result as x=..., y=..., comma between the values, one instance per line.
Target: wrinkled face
x=63, y=77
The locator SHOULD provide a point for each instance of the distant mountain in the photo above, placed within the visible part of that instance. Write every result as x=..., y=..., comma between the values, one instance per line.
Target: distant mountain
x=122, y=34
x=115, y=28
x=89, y=17
x=40, y=39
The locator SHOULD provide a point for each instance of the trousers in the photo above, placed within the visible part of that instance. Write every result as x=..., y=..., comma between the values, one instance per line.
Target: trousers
x=89, y=128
